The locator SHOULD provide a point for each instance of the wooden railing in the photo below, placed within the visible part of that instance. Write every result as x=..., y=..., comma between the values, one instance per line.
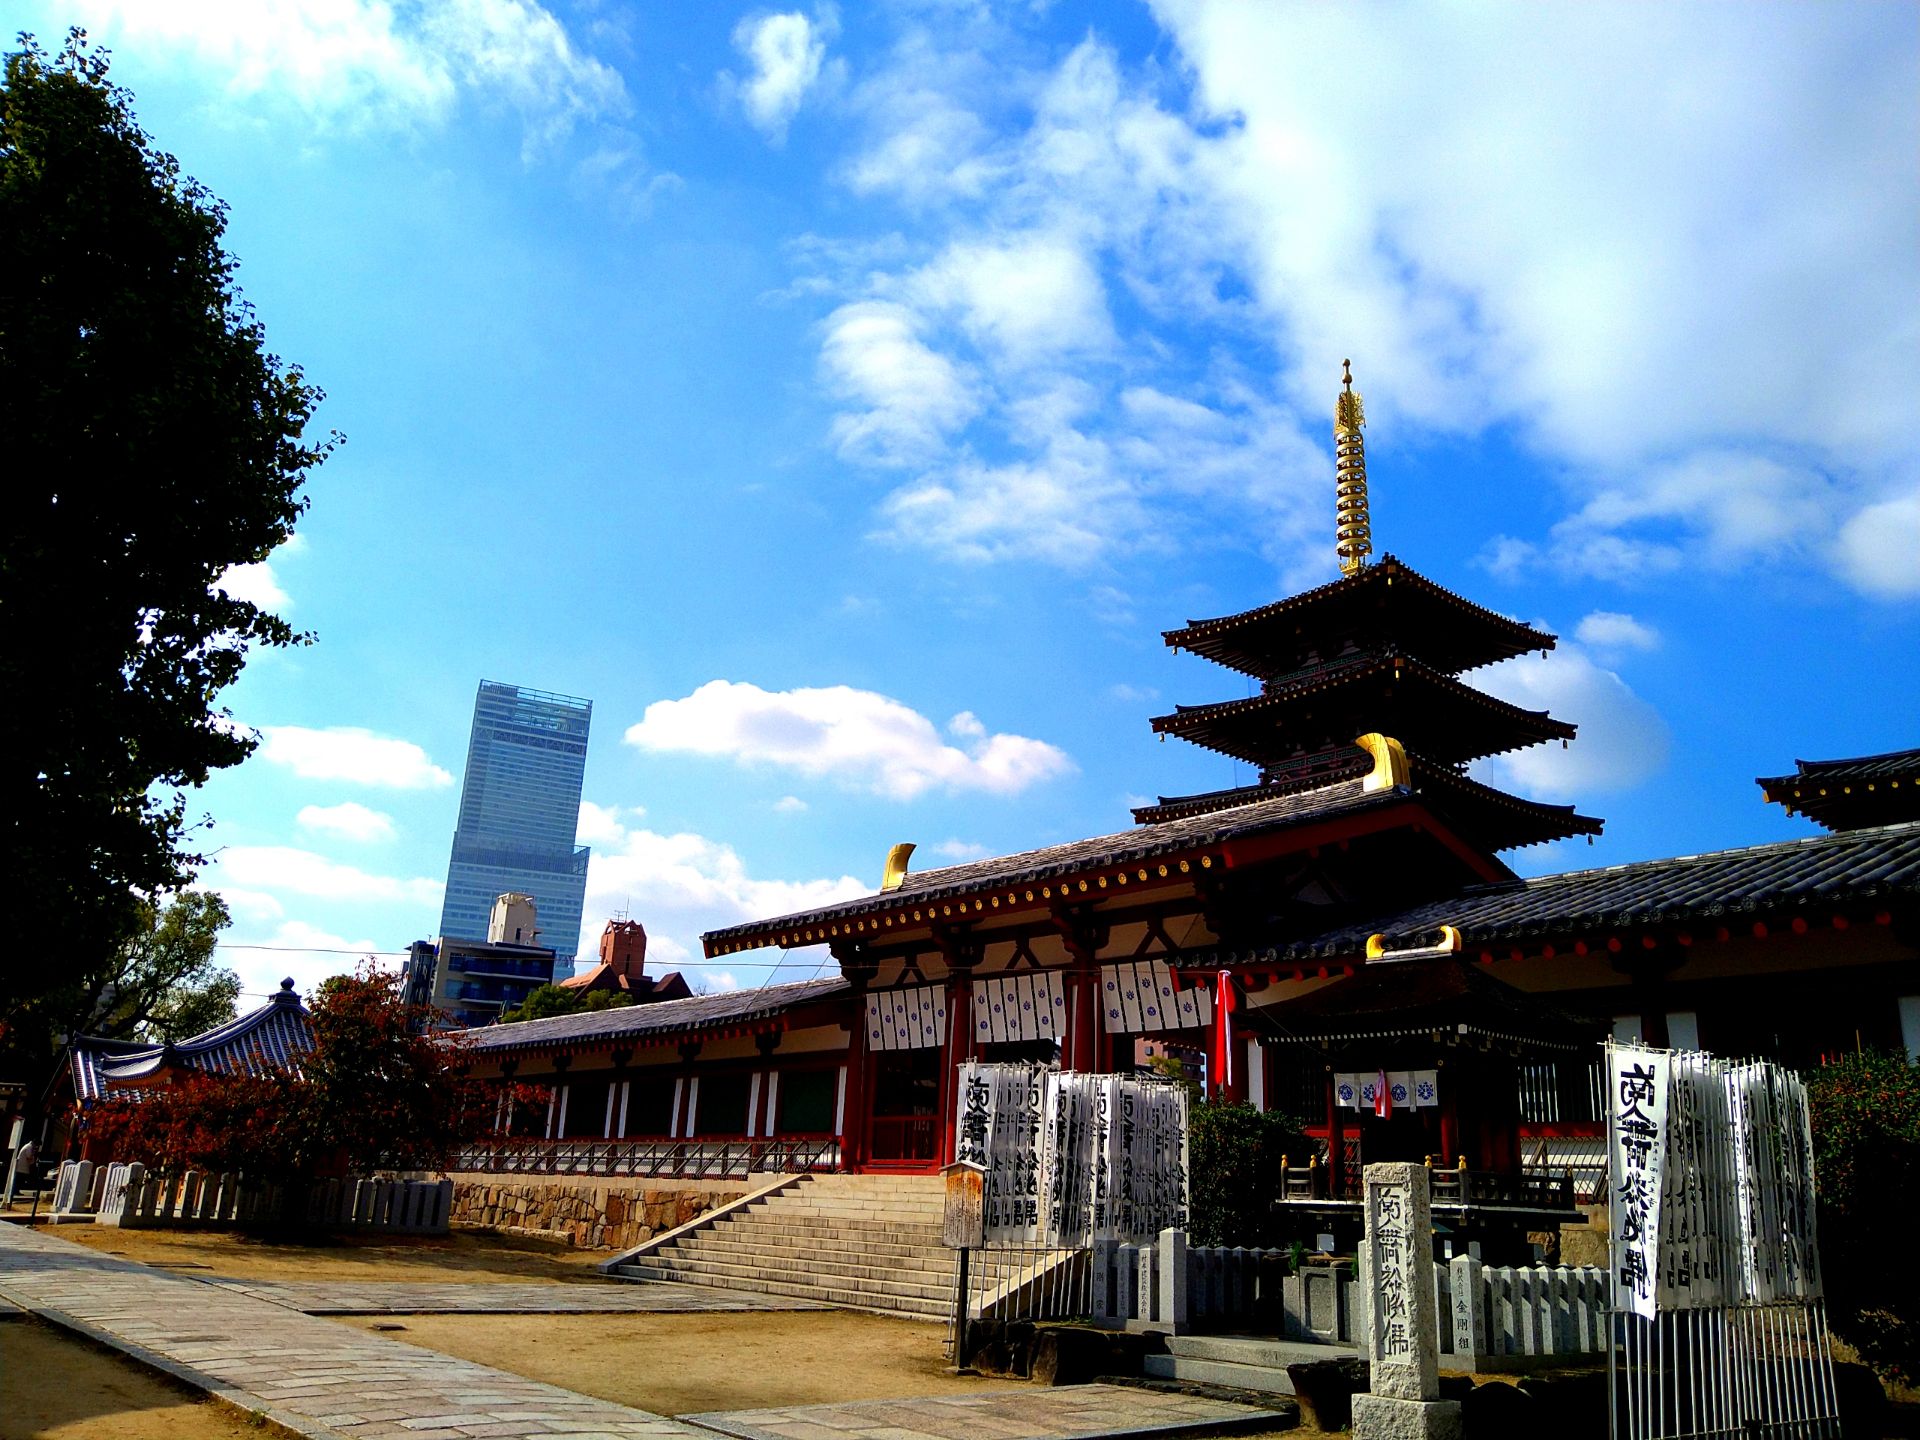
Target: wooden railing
x=1451, y=1185
x=663, y=1159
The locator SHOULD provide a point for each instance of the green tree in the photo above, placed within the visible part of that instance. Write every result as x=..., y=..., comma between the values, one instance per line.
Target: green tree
x=152, y=442
x=1233, y=1167
x=1866, y=1163
x=164, y=984
x=551, y=1000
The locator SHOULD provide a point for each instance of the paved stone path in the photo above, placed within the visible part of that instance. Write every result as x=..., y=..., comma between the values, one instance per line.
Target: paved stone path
x=323, y=1380
x=1070, y=1412
x=332, y=1382
x=353, y=1297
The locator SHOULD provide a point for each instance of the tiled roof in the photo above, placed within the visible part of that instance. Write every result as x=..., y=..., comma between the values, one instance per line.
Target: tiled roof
x=1480, y=634
x=1146, y=842
x=1820, y=874
x=1479, y=813
x=1439, y=714
x=663, y=1017
x=1863, y=767
x=1850, y=794
x=273, y=1037
x=1417, y=997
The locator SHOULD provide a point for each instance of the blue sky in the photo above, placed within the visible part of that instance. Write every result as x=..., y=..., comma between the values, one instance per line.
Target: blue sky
x=845, y=398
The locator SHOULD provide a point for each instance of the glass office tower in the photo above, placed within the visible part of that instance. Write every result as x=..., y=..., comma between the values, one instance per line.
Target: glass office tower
x=519, y=812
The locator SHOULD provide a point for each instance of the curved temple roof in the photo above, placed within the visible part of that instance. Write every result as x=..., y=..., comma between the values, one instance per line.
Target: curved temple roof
x=272, y=1037
x=1446, y=630
x=1821, y=875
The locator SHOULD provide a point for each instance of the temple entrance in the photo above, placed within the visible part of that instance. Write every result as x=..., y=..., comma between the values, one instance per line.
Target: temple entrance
x=904, y=1128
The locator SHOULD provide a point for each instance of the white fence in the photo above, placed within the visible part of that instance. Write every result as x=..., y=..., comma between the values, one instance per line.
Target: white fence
x=1485, y=1314
x=128, y=1196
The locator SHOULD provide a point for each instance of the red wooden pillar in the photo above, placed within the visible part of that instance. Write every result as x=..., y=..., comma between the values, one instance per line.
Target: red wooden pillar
x=1336, y=1141
x=1083, y=1048
x=853, y=1119
x=1449, y=1120
x=959, y=1049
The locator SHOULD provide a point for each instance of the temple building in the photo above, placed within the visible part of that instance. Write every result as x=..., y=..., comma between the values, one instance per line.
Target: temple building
x=1345, y=919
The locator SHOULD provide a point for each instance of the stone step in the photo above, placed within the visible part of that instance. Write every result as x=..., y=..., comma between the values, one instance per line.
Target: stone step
x=873, y=1279
x=1254, y=1350
x=1264, y=1378
x=765, y=1221
x=822, y=1252
x=747, y=1227
x=847, y=1205
x=889, y=1302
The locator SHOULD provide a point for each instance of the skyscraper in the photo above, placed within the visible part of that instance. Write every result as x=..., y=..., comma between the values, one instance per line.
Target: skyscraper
x=519, y=812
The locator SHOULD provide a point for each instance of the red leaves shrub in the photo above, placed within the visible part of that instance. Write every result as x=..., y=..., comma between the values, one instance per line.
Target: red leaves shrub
x=374, y=1092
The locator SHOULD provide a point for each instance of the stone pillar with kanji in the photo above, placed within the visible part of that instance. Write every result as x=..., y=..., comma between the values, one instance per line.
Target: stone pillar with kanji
x=1403, y=1340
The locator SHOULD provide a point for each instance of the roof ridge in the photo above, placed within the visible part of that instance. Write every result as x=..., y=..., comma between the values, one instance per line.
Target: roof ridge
x=1837, y=837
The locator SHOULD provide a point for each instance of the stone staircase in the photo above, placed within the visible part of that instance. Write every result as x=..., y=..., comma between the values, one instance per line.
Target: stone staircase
x=865, y=1242
x=1242, y=1362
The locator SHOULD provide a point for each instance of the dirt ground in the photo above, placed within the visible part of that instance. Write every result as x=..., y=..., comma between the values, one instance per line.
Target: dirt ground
x=684, y=1363
x=55, y=1387
x=440, y=1259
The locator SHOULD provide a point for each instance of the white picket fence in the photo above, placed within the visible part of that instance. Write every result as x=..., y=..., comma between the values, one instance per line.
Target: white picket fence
x=1483, y=1313
x=128, y=1196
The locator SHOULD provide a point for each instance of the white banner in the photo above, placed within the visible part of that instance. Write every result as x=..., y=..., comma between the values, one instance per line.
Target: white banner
x=1028, y=1006
x=1071, y=1158
x=1409, y=1089
x=1137, y=997
x=1636, y=1154
x=913, y=1019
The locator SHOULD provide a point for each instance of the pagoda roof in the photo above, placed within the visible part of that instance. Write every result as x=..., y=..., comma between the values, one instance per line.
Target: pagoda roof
x=1159, y=843
x=1423, y=708
x=1822, y=874
x=1446, y=630
x=1445, y=995
x=1850, y=794
x=273, y=1037
x=1481, y=814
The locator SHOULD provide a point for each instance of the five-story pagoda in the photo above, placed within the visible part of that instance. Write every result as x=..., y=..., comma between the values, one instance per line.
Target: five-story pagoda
x=1366, y=670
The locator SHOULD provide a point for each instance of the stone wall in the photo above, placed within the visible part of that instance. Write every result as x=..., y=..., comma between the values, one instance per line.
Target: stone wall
x=589, y=1213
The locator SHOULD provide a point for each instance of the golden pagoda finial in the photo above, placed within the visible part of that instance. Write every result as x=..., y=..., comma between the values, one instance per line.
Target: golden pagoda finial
x=1352, y=529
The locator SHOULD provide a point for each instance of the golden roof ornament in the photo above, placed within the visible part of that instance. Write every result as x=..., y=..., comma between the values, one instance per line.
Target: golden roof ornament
x=1353, y=529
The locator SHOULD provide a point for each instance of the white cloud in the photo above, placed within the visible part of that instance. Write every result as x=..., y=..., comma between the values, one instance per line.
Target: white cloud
x=960, y=851
x=285, y=870
x=682, y=885
x=910, y=396
x=789, y=805
x=602, y=823
x=786, y=52
x=857, y=736
x=1030, y=297
x=1615, y=242
x=1879, y=548
x=371, y=64
x=344, y=752
x=1133, y=694
x=1622, y=740
x=1609, y=632
x=256, y=584
x=350, y=820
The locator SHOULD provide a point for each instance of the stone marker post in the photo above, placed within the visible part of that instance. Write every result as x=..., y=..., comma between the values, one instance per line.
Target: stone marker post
x=1403, y=1343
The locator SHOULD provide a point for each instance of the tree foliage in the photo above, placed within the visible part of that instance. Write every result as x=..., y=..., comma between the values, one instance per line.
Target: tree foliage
x=1233, y=1168
x=152, y=441
x=373, y=1092
x=163, y=983
x=1866, y=1144
x=551, y=1000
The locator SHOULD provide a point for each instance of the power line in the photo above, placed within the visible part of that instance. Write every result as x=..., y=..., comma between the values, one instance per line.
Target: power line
x=665, y=965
